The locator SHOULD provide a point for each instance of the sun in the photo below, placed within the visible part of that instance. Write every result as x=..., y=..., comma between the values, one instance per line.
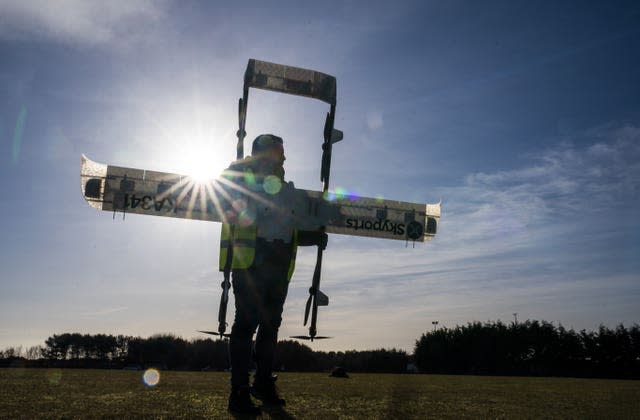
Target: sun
x=194, y=146
x=201, y=169
x=201, y=164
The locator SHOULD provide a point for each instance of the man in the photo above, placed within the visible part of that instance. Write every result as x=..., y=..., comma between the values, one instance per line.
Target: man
x=262, y=263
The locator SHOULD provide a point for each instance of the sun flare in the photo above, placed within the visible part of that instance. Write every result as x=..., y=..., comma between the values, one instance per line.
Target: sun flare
x=201, y=166
x=201, y=172
x=194, y=146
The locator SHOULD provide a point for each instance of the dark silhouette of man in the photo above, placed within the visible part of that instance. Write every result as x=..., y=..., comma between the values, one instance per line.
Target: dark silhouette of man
x=263, y=260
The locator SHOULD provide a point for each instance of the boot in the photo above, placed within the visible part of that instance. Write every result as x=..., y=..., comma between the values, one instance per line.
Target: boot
x=240, y=402
x=266, y=392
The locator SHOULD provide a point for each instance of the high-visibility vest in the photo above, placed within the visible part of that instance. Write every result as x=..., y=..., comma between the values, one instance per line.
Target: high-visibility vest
x=241, y=237
x=243, y=243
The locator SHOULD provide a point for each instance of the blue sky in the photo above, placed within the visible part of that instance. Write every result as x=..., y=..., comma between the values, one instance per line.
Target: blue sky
x=522, y=117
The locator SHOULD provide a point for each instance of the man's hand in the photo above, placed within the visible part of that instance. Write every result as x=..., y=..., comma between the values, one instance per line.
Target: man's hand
x=313, y=237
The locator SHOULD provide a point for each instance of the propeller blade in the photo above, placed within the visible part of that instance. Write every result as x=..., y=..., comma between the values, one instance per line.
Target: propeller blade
x=307, y=308
x=306, y=337
x=214, y=333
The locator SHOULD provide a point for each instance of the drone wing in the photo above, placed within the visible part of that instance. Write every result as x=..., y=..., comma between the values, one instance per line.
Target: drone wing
x=139, y=191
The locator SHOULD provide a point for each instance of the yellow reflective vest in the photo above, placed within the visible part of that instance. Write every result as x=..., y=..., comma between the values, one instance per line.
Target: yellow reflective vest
x=242, y=239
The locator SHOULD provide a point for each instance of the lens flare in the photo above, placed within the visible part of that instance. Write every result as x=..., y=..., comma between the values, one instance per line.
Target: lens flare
x=340, y=194
x=246, y=218
x=198, y=164
x=151, y=377
x=54, y=376
x=272, y=185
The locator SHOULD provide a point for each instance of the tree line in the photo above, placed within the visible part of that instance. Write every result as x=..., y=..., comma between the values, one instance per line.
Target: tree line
x=166, y=351
x=527, y=348
x=530, y=348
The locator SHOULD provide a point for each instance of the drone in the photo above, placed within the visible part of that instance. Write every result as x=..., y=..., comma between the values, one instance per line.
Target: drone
x=124, y=190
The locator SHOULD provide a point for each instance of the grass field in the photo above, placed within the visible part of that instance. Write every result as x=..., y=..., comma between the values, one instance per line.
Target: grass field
x=74, y=393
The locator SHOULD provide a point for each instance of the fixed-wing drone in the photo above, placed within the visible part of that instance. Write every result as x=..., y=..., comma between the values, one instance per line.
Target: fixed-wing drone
x=118, y=189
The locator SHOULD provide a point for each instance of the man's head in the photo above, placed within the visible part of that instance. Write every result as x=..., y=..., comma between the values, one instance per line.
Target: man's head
x=268, y=146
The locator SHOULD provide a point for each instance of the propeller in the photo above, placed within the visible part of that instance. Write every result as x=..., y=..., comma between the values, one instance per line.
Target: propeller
x=215, y=333
x=226, y=283
x=308, y=337
x=308, y=306
x=316, y=298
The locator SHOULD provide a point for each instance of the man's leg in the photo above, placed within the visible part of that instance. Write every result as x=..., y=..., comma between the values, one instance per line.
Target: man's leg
x=244, y=325
x=267, y=337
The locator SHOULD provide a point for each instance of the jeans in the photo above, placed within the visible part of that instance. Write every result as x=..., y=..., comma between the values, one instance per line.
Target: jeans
x=259, y=293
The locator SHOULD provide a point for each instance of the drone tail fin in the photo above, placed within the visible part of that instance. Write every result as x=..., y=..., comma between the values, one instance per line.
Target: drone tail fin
x=323, y=300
